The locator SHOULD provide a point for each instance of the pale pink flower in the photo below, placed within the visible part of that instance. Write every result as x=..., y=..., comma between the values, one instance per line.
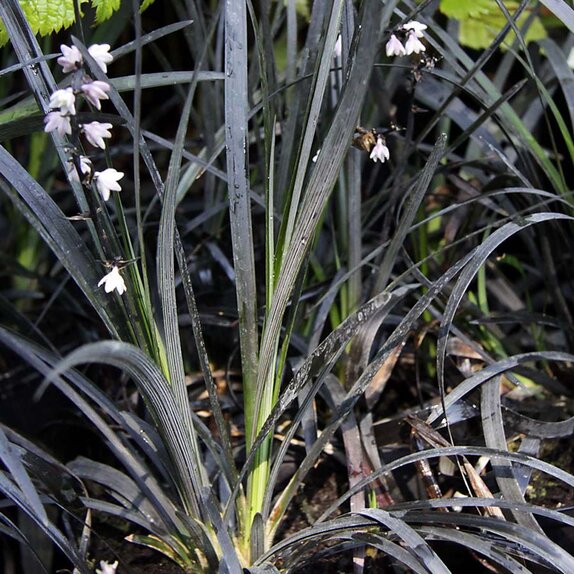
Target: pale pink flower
x=380, y=151
x=414, y=45
x=96, y=132
x=65, y=100
x=113, y=280
x=57, y=122
x=71, y=59
x=394, y=47
x=107, y=181
x=85, y=168
x=101, y=54
x=96, y=91
x=416, y=27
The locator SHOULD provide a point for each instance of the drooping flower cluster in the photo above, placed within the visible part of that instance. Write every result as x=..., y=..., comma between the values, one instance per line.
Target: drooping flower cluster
x=63, y=120
x=63, y=102
x=410, y=33
x=71, y=58
x=404, y=41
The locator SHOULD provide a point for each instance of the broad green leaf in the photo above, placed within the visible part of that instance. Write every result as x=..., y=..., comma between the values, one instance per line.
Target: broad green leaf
x=105, y=9
x=463, y=9
x=48, y=16
x=45, y=16
x=482, y=20
x=479, y=32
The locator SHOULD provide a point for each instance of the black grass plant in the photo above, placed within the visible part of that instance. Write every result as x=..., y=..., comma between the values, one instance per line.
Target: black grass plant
x=338, y=237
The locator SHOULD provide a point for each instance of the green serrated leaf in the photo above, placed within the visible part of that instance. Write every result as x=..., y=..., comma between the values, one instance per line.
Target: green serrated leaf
x=45, y=16
x=52, y=15
x=48, y=16
x=30, y=9
x=105, y=9
x=146, y=4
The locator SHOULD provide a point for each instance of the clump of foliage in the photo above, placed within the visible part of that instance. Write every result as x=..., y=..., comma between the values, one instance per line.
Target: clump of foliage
x=335, y=236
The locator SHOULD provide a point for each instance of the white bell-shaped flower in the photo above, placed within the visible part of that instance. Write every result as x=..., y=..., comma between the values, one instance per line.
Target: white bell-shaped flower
x=113, y=281
x=96, y=132
x=107, y=181
x=414, y=45
x=394, y=47
x=71, y=59
x=380, y=152
x=101, y=54
x=57, y=122
x=65, y=100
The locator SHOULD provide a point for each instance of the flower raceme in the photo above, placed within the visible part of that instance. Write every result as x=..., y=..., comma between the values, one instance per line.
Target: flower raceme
x=63, y=104
x=79, y=167
x=93, y=91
